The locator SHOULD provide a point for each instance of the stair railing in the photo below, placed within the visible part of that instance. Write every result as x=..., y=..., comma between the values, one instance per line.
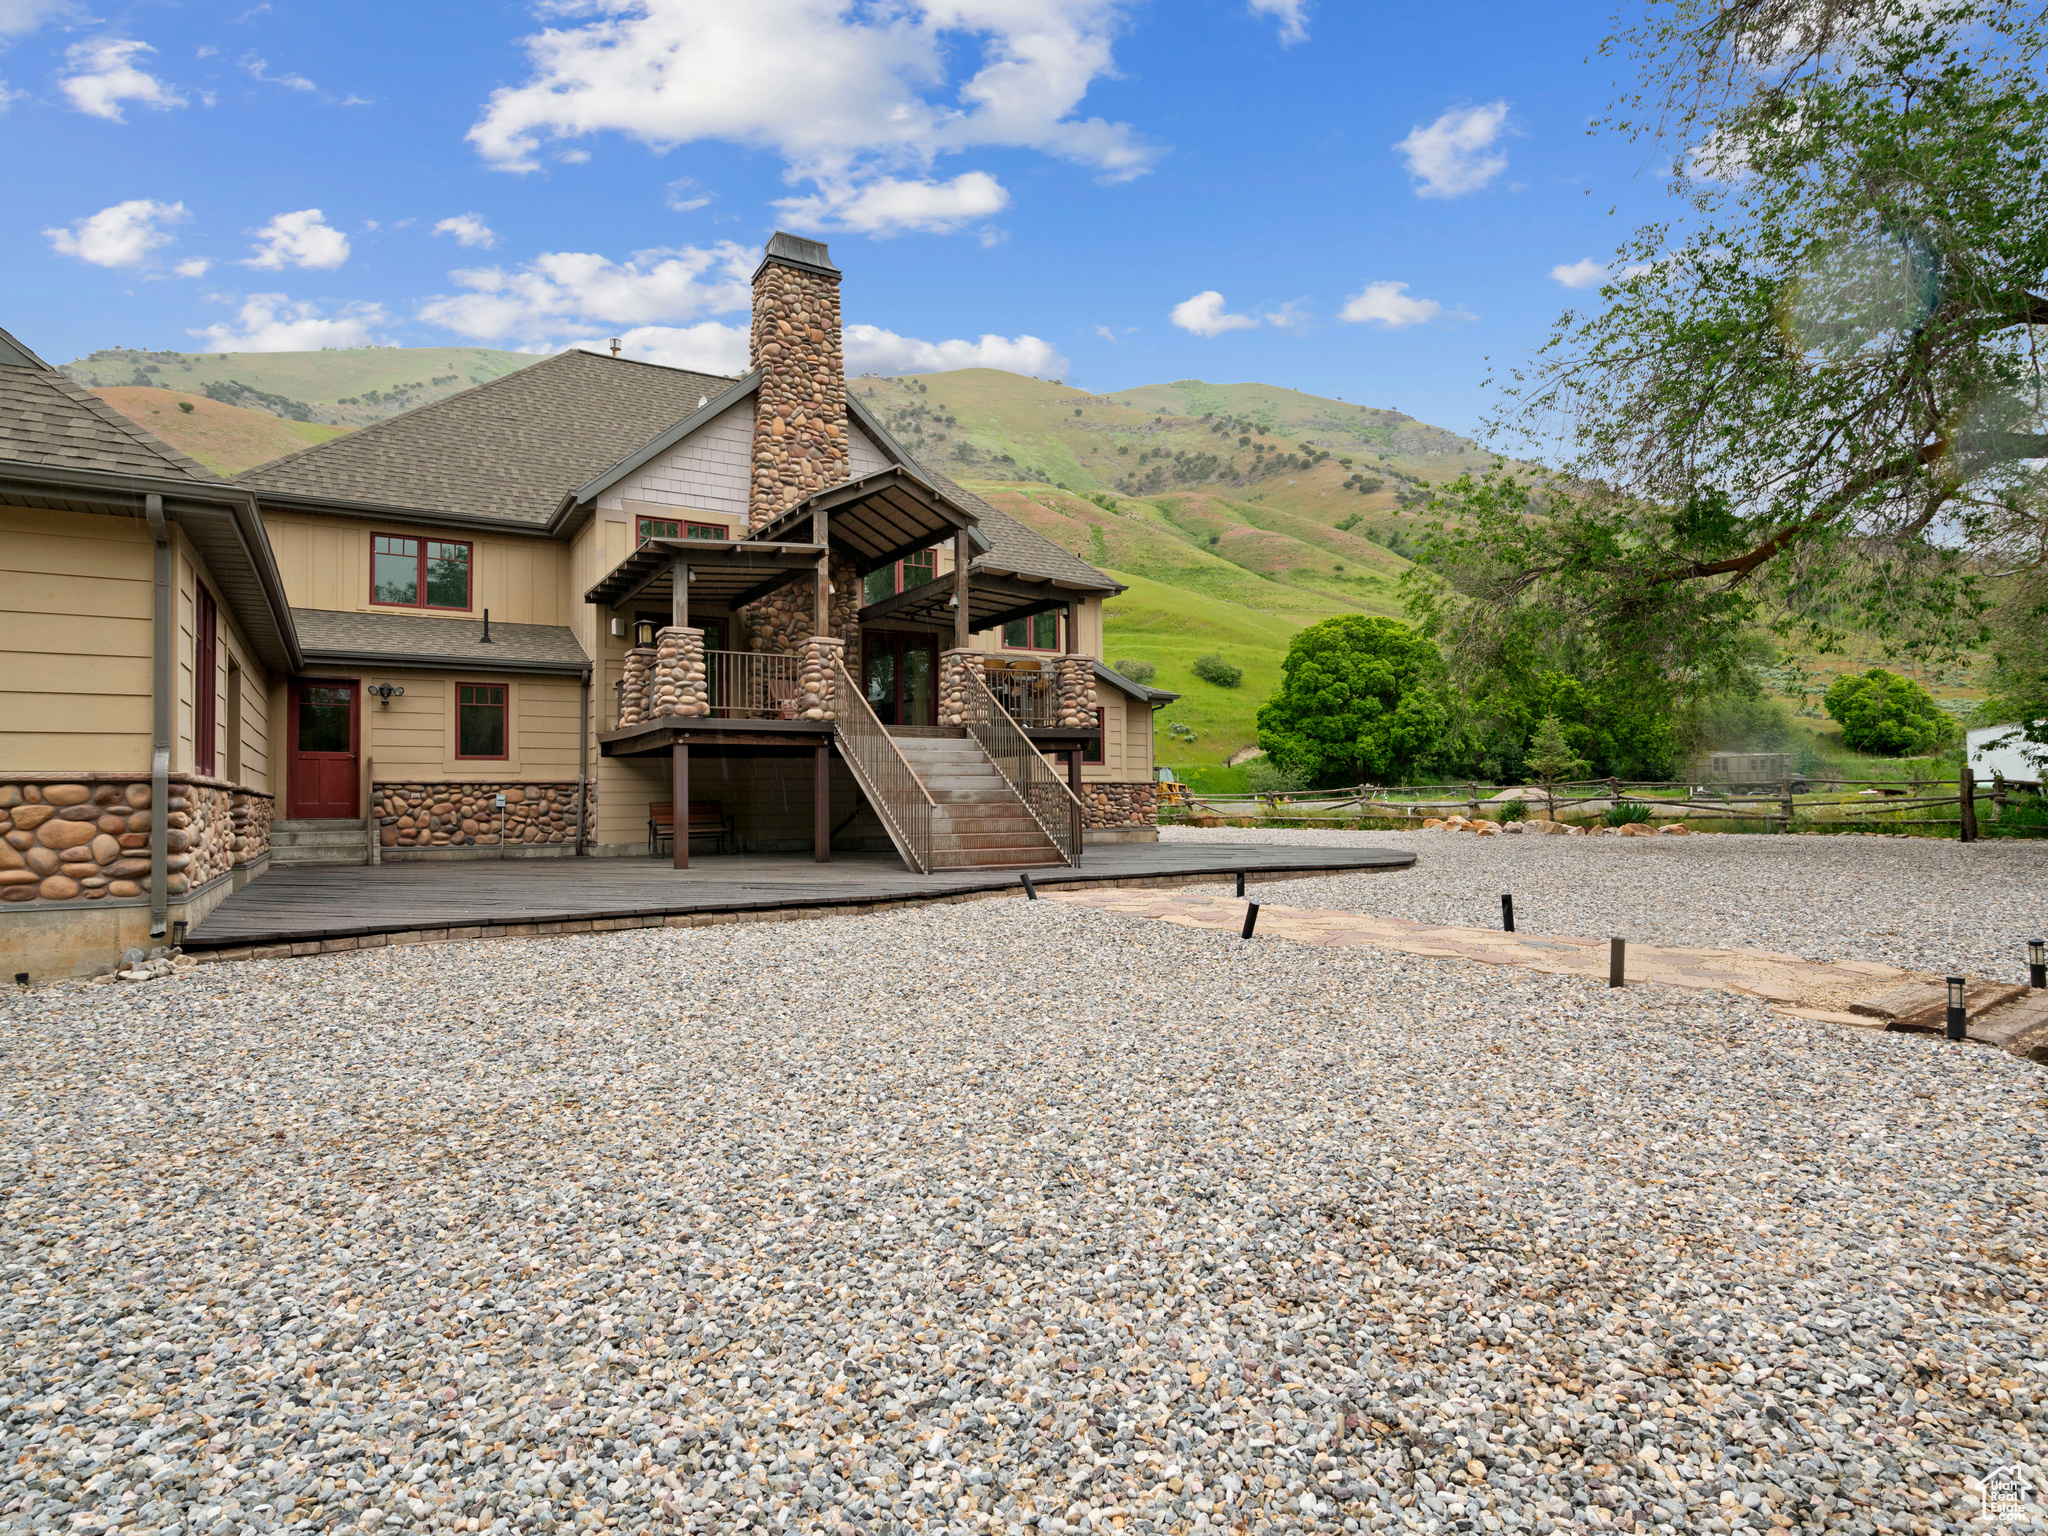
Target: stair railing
x=1044, y=793
x=884, y=775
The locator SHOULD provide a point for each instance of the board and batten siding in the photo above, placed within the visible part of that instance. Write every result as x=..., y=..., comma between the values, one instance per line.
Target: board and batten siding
x=413, y=735
x=248, y=737
x=325, y=562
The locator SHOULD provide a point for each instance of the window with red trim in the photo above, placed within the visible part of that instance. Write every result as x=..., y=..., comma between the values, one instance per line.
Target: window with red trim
x=1040, y=632
x=205, y=701
x=664, y=528
x=911, y=571
x=418, y=573
x=480, y=720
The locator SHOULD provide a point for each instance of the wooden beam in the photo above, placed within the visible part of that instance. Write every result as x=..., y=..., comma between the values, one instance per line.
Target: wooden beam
x=679, y=788
x=679, y=596
x=962, y=558
x=821, y=805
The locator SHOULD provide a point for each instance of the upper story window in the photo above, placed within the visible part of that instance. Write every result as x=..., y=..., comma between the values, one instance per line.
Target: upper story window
x=911, y=571
x=662, y=528
x=1040, y=632
x=419, y=573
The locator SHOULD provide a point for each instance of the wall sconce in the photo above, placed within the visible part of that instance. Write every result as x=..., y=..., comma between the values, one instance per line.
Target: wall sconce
x=643, y=631
x=618, y=627
x=384, y=693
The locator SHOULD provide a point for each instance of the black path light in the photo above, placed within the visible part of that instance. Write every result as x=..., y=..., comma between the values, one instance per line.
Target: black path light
x=1507, y=913
x=2037, y=963
x=1030, y=890
x=1617, y=961
x=1251, y=918
x=1958, y=1016
x=1240, y=882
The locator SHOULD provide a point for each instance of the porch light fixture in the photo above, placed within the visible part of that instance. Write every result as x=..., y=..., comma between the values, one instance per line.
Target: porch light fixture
x=1958, y=1018
x=643, y=631
x=2037, y=964
x=384, y=693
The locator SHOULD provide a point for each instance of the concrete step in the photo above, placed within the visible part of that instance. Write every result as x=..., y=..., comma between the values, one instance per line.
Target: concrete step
x=305, y=841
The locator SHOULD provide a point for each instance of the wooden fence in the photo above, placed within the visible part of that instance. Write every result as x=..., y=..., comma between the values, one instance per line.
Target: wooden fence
x=1847, y=805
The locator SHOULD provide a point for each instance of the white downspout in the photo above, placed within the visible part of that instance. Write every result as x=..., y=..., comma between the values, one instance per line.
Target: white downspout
x=162, y=670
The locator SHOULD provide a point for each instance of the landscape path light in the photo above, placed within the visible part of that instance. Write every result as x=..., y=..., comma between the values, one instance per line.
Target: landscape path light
x=1958, y=1017
x=1507, y=913
x=2037, y=963
x=1617, y=961
x=1251, y=918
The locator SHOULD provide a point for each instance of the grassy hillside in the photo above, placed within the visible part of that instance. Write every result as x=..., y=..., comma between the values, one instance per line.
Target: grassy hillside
x=225, y=438
x=341, y=386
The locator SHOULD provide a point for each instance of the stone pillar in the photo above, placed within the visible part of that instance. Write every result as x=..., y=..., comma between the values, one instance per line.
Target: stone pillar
x=818, y=691
x=1074, y=680
x=633, y=702
x=800, y=442
x=678, y=685
x=954, y=666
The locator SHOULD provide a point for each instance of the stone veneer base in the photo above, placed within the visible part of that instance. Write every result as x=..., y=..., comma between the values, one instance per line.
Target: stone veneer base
x=49, y=941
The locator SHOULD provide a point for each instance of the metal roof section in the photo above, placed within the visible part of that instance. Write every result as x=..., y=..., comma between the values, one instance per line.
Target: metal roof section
x=795, y=251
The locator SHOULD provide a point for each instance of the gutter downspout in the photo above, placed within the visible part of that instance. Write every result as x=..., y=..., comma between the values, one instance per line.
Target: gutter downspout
x=160, y=745
x=583, y=765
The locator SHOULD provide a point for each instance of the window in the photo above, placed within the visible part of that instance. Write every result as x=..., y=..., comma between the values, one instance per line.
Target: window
x=480, y=720
x=1040, y=632
x=1092, y=753
x=419, y=573
x=911, y=571
x=662, y=528
x=205, y=661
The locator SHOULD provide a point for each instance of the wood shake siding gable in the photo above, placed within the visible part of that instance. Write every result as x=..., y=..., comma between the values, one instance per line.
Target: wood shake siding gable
x=863, y=457
x=709, y=471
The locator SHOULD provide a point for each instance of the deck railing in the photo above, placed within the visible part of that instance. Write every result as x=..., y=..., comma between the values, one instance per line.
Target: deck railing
x=885, y=777
x=1030, y=698
x=754, y=685
x=1043, y=791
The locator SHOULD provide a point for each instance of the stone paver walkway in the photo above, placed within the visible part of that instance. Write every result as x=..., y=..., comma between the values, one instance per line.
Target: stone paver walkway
x=1804, y=988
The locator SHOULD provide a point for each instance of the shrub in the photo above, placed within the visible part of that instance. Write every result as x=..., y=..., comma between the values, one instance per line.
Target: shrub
x=1264, y=777
x=1887, y=715
x=1628, y=813
x=1514, y=810
x=1212, y=668
x=1136, y=671
x=1362, y=698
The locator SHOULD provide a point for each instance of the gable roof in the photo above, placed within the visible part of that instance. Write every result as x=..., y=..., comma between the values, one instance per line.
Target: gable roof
x=45, y=418
x=15, y=355
x=508, y=451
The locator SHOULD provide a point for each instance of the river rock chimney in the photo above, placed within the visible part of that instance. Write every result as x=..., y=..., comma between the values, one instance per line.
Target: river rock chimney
x=800, y=411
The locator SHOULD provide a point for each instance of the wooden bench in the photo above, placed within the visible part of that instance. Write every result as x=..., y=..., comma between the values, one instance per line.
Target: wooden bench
x=707, y=819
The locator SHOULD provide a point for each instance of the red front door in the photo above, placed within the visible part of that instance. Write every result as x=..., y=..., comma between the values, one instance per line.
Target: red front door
x=321, y=783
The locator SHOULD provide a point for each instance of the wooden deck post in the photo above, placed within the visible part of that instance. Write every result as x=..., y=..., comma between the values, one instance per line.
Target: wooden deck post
x=821, y=805
x=681, y=791
x=679, y=594
x=821, y=611
x=960, y=559
x=1966, y=803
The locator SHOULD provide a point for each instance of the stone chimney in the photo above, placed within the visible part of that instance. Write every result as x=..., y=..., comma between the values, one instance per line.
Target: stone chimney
x=800, y=413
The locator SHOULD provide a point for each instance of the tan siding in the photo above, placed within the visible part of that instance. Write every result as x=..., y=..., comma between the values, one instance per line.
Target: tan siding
x=74, y=642
x=325, y=563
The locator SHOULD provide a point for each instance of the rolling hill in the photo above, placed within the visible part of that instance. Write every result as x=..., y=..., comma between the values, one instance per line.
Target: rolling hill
x=227, y=439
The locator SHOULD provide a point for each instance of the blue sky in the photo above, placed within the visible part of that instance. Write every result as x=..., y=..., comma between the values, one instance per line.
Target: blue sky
x=1359, y=200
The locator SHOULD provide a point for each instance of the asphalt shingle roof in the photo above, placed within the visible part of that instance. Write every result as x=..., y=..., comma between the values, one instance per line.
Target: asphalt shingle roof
x=328, y=632
x=508, y=450
x=1014, y=547
x=45, y=418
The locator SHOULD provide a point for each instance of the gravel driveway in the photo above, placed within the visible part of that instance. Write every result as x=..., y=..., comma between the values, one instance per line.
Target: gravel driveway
x=1914, y=902
x=977, y=1217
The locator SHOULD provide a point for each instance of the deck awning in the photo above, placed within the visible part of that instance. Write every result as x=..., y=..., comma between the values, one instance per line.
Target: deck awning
x=720, y=572
x=992, y=601
x=878, y=519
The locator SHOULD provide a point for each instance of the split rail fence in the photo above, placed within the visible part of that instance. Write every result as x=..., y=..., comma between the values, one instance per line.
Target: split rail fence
x=1846, y=805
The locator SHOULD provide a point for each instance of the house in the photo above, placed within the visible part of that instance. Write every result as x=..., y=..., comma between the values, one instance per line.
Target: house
x=535, y=618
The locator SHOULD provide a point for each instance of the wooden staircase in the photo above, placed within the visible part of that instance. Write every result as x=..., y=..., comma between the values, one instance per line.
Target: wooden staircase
x=978, y=822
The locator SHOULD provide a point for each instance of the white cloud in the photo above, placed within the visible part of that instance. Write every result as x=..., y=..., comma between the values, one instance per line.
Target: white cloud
x=870, y=349
x=890, y=206
x=1591, y=274
x=707, y=347
x=270, y=322
x=1204, y=315
x=1388, y=304
x=104, y=75
x=851, y=97
x=468, y=229
x=301, y=239
x=562, y=293
x=198, y=266
x=256, y=66
x=1105, y=333
x=120, y=236
x=18, y=18
x=1291, y=14
x=684, y=197
x=1455, y=154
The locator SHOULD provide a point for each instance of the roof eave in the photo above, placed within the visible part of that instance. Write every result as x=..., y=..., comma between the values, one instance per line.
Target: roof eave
x=412, y=661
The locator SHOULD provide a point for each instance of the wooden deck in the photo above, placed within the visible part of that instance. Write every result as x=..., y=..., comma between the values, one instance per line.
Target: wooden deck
x=318, y=904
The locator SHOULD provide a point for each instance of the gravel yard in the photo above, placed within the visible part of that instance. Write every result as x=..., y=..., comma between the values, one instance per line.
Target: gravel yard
x=1914, y=902
x=974, y=1218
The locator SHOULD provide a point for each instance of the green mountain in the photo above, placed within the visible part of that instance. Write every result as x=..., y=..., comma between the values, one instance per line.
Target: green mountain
x=344, y=386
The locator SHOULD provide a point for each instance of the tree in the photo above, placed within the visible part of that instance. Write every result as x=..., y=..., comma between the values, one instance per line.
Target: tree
x=1550, y=755
x=1360, y=699
x=1811, y=397
x=1886, y=714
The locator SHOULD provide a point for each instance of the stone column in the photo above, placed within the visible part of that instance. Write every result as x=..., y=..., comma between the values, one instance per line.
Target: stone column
x=818, y=688
x=1074, y=678
x=679, y=685
x=953, y=694
x=633, y=703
